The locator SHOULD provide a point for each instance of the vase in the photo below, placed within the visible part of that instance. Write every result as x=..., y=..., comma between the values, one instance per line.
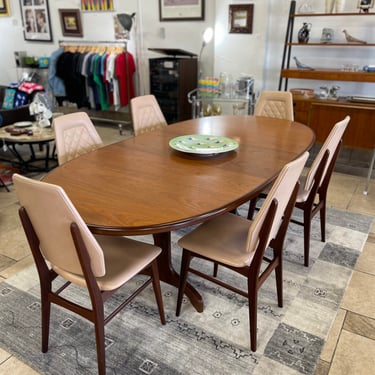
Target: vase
x=337, y=5
x=304, y=33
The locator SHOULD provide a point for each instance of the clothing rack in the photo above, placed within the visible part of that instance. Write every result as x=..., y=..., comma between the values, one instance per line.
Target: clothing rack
x=101, y=46
x=82, y=45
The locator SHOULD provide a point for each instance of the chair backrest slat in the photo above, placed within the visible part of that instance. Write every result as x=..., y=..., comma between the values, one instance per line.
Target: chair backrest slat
x=330, y=144
x=281, y=190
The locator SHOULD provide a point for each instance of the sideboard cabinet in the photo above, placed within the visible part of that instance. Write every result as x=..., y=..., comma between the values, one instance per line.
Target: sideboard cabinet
x=171, y=79
x=322, y=114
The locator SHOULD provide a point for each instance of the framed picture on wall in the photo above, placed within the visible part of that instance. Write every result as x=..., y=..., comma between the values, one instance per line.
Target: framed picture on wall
x=36, y=20
x=241, y=18
x=365, y=5
x=97, y=5
x=4, y=8
x=181, y=10
x=71, y=24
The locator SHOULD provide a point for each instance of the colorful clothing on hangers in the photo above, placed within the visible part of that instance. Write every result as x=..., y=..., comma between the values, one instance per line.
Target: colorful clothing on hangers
x=97, y=80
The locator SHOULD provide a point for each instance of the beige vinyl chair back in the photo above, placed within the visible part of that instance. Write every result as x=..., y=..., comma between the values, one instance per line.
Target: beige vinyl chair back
x=330, y=144
x=276, y=104
x=75, y=135
x=146, y=114
x=51, y=212
x=281, y=191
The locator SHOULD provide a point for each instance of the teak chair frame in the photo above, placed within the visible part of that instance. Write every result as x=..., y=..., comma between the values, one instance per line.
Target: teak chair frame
x=97, y=297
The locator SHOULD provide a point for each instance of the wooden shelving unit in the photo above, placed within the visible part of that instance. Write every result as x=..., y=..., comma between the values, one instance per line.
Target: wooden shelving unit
x=328, y=75
x=319, y=74
x=322, y=114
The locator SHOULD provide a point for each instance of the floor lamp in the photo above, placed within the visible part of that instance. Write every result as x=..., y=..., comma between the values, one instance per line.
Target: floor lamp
x=208, y=34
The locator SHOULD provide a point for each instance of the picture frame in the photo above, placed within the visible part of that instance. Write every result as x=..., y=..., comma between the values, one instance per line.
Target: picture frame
x=4, y=8
x=181, y=10
x=36, y=20
x=241, y=18
x=70, y=20
x=365, y=5
x=97, y=6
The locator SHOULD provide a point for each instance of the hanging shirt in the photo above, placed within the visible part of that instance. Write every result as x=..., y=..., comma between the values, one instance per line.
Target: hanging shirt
x=113, y=90
x=55, y=83
x=125, y=68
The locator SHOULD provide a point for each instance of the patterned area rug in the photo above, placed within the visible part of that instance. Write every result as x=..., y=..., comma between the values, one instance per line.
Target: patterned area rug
x=290, y=339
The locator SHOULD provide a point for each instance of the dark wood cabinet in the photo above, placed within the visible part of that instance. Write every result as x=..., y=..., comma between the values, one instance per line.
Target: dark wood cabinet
x=321, y=115
x=171, y=78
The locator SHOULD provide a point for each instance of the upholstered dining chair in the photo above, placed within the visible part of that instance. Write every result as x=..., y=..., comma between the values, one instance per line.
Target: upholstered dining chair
x=276, y=104
x=312, y=196
x=64, y=248
x=239, y=244
x=75, y=135
x=146, y=114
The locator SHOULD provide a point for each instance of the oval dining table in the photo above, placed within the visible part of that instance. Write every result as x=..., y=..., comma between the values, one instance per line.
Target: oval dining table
x=143, y=186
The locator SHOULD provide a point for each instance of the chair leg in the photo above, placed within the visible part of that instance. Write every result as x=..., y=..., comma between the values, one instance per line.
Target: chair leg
x=185, y=263
x=100, y=336
x=46, y=313
x=306, y=235
x=279, y=283
x=323, y=221
x=216, y=269
x=252, y=206
x=157, y=290
x=253, y=314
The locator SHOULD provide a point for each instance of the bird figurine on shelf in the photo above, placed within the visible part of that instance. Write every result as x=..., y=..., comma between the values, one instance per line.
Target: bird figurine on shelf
x=301, y=65
x=351, y=39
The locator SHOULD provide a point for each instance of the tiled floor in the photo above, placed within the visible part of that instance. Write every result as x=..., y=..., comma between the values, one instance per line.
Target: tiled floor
x=351, y=345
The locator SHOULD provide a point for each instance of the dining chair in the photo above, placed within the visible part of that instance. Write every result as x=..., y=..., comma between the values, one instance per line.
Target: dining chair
x=63, y=248
x=240, y=244
x=146, y=114
x=75, y=135
x=276, y=104
x=312, y=196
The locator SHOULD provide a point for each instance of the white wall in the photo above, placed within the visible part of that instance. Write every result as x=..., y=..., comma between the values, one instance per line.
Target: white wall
x=258, y=54
x=241, y=54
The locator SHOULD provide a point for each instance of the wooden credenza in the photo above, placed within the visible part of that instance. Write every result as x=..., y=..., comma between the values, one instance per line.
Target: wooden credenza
x=321, y=115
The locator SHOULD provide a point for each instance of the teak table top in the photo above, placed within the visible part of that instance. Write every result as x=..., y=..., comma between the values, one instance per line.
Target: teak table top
x=141, y=185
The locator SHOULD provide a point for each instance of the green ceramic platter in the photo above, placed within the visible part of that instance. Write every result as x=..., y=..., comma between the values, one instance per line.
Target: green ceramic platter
x=203, y=144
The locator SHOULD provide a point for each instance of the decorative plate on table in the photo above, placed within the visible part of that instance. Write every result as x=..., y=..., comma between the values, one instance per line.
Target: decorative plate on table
x=23, y=124
x=203, y=144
